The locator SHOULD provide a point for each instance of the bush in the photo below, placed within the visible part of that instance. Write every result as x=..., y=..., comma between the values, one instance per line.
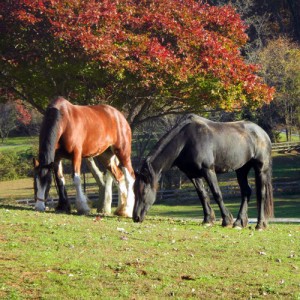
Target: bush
x=14, y=165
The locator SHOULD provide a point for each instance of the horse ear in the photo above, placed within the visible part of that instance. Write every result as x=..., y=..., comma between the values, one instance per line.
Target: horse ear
x=35, y=162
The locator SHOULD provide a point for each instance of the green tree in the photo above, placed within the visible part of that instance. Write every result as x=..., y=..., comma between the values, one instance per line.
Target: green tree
x=147, y=58
x=280, y=62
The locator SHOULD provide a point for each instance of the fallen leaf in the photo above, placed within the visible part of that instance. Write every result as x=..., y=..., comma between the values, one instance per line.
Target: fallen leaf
x=97, y=219
x=187, y=277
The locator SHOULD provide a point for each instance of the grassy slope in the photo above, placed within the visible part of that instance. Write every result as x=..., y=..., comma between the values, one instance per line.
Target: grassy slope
x=50, y=256
x=285, y=168
x=19, y=144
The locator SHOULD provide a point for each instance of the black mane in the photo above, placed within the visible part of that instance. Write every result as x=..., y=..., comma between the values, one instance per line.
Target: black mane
x=146, y=169
x=165, y=139
x=48, y=135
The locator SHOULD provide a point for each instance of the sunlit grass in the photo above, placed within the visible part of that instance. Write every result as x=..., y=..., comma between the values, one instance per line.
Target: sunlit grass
x=56, y=256
x=19, y=144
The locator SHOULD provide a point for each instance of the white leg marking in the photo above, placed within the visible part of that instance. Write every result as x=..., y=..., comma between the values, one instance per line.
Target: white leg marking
x=122, y=191
x=108, y=193
x=126, y=195
x=81, y=201
x=60, y=174
x=130, y=194
x=62, y=180
x=40, y=205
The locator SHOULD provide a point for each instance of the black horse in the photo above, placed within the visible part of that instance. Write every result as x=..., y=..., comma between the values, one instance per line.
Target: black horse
x=202, y=148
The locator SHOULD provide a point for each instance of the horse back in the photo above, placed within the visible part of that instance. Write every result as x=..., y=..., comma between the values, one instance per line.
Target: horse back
x=225, y=146
x=93, y=129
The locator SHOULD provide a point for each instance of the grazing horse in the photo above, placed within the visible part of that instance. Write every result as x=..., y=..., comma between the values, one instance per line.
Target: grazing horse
x=103, y=179
x=202, y=148
x=75, y=132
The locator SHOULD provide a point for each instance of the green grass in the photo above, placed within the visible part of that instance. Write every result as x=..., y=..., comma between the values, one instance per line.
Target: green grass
x=285, y=168
x=50, y=256
x=170, y=255
x=286, y=206
x=295, y=137
x=19, y=144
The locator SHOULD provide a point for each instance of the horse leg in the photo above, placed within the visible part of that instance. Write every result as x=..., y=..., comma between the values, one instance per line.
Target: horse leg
x=105, y=206
x=114, y=173
x=81, y=200
x=212, y=182
x=126, y=199
x=125, y=191
x=104, y=182
x=242, y=218
x=261, y=178
x=129, y=181
x=209, y=215
x=63, y=201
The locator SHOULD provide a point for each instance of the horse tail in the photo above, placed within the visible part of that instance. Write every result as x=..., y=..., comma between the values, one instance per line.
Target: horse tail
x=48, y=135
x=269, y=201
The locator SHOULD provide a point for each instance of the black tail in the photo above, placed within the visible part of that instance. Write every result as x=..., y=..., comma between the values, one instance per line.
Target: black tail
x=48, y=135
x=269, y=201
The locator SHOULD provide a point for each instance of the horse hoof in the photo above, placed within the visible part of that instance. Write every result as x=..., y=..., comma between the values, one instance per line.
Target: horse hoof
x=227, y=224
x=121, y=212
x=123, y=215
x=258, y=228
x=207, y=224
x=261, y=227
x=60, y=210
x=238, y=227
x=83, y=212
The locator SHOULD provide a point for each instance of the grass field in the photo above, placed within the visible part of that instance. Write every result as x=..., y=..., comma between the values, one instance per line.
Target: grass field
x=50, y=256
x=169, y=256
x=286, y=168
x=19, y=144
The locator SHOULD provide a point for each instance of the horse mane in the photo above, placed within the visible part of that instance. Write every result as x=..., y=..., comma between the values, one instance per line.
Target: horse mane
x=48, y=135
x=166, y=138
x=147, y=169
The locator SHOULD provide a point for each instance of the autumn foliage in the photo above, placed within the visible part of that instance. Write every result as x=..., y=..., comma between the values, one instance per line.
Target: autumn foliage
x=184, y=48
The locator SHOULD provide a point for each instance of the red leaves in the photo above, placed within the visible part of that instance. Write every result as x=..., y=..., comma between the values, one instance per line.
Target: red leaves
x=23, y=114
x=159, y=42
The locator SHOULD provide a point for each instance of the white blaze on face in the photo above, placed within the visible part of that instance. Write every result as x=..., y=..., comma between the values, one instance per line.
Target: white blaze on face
x=40, y=203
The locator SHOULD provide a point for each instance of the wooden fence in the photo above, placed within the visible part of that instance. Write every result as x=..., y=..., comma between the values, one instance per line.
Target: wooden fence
x=286, y=146
x=180, y=196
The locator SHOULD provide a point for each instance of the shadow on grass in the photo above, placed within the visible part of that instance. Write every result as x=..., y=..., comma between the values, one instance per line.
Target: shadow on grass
x=285, y=206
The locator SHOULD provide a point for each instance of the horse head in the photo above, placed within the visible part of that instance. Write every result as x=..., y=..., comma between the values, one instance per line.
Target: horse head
x=145, y=195
x=42, y=181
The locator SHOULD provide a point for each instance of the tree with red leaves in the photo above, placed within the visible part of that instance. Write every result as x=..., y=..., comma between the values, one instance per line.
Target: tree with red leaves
x=12, y=114
x=146, y=57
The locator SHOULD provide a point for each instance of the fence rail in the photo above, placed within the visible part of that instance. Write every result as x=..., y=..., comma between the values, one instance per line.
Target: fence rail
x=184, y=195
x=286, y=146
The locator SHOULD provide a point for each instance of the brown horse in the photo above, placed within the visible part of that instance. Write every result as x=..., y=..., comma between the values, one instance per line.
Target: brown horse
x=75, y=132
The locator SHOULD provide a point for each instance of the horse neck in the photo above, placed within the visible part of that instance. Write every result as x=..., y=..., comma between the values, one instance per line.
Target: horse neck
x=165, y=156
x=49, y=136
